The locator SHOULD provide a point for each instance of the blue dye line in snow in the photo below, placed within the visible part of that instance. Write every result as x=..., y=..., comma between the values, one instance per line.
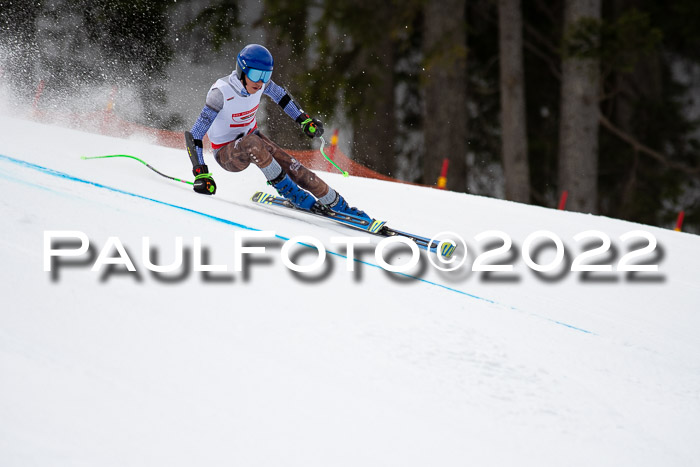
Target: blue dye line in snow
x=66, y=176
x=569, y=326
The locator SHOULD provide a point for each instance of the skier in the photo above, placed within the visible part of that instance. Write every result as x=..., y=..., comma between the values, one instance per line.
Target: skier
x=229, y=119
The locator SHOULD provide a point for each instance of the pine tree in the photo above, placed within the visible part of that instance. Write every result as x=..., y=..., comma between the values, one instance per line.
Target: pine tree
x=444, y=83
x=578, y=140
x=514, y=124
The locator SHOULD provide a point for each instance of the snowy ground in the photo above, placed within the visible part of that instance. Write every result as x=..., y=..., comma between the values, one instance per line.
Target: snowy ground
x=265, y=367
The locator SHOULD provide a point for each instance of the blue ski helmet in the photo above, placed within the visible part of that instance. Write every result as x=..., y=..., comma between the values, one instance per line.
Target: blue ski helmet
x=256, y=62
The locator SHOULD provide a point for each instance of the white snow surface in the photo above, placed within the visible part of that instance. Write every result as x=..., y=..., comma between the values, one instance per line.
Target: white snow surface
x=265, y=367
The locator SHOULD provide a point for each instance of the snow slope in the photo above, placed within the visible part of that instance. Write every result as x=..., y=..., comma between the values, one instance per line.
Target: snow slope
x=265, y=367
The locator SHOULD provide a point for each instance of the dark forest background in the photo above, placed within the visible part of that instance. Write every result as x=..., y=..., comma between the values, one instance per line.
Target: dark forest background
x=526, y=99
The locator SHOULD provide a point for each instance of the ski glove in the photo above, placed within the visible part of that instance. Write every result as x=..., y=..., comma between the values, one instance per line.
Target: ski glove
x=203, y=182
x=312, y=127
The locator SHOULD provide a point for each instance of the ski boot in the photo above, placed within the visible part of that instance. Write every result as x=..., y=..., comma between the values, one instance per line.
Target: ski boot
x=291, y=191
x=341, y=206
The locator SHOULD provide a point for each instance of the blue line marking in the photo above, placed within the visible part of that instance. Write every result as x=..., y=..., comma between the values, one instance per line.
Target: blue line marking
x=66, y=176
x=570, y=326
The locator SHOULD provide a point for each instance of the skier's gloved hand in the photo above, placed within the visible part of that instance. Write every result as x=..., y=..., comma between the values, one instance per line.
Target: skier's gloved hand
x=312, y=127
x=203, y=181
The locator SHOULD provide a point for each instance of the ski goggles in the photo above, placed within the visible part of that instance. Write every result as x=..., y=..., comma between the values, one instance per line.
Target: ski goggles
x=258, y=75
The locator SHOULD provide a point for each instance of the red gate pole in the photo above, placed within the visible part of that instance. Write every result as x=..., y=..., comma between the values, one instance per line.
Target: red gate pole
x=562, y=200
x=37, y=96
x=679, y=221
x=442, y=179
x=108, y=114
x=334, y=142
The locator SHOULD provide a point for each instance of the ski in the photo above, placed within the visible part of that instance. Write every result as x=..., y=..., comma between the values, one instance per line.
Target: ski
x=446, y=250
x=374, y=227
x=349, y=220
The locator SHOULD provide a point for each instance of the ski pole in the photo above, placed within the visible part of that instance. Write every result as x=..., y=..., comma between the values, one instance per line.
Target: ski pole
x=323, y=143
x=143, y=162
